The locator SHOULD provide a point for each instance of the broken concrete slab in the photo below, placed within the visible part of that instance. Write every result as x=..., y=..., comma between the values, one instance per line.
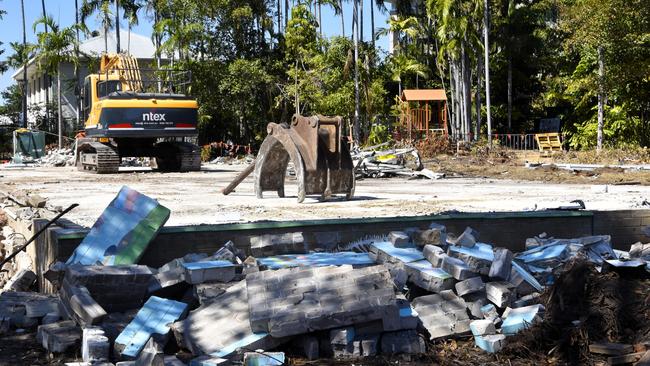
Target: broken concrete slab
x=301, y=300
x=153, y=320
x=402, y=342
x=123, y=231
x=424, y=275
x=222, y=326
x=527, y=300
x=475, y=301
x=501, y=264
x=523, y=281
x=342, y=343
x=94, y=345
x=499, y=293
x=387, y=252
x=65, y=324
x=434, y=235
x=115, y=288
x=443, y=314
x=151, y=355
x=207, y=292
x=276, y=244
x=318, y=259
x=209, y=271
x=468, y=286
x=207, y=360
x=521, y=318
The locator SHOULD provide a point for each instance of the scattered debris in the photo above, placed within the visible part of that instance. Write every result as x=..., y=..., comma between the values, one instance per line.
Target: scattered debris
x=370, y=163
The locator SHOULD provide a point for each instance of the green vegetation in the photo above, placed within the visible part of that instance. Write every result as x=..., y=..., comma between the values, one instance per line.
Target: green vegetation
x=253, y=62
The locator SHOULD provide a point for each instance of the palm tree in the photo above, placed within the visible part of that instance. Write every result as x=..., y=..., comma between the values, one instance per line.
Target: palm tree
x=46, y=81
x=401, y=64
x=486, y=46
x=25, y=60
x=53, y=49
x=103, y=6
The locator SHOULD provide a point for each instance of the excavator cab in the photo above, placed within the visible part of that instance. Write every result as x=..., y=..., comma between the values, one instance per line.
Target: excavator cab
x=128, y=111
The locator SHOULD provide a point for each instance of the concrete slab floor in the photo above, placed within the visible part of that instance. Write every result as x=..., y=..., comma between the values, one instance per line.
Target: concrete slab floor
x=195, y=197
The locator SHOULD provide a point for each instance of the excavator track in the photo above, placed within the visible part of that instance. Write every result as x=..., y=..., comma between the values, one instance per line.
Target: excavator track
x=95, y=157
x=177, y=156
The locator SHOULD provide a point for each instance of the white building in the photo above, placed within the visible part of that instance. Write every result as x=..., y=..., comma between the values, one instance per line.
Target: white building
x=137, y=45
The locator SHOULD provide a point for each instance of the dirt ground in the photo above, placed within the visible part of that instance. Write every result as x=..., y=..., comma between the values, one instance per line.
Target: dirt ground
x=195, y=198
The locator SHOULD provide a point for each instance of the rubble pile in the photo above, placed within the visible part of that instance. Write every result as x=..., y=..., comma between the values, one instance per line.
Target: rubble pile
x=393, y=296
x=56, y=157
x=372, y=163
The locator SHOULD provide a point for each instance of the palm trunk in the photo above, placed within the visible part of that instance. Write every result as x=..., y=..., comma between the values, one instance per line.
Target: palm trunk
x=355, y=35
x=156, y=17
x=76, y=69
x=320, y=19
x=601, y=98
x=342, y=18
x=361, y=19
x=372, y=20
x=117, y=26
x=24, y=99
x=477, y=130
x=467, y=89
x=279, y=5
x=60, y=110
x=105, y=38
x=46, y=79
x=486, y=46
x=509, y=93
x=286, y=13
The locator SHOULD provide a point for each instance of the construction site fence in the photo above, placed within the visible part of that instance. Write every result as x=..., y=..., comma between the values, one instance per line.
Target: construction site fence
x=510, y=141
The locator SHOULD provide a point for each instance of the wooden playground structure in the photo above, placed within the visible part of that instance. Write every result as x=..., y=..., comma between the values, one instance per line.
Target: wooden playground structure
x=424, y=112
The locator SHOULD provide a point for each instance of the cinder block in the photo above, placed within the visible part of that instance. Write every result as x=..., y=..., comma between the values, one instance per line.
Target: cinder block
x=94, y=345
x=474, y=284
x=501, y=265
x=457, y=268
x=207, y=271
x=207, y=360
x=467, y=239
x=57, y=339
x=499, y=293
x=275, y=244
x=434, y=255
x=21, y=281
x=491, y=343
x=399, y=239
x=482, y=327
x=80, y=305
x=443, y=314
x=475, y=301
x=151, y=355
x=527, y=300
x=424, y=275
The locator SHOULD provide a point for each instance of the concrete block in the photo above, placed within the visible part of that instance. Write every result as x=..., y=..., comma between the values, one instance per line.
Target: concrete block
x=172, y=361
x=342, y=343
x=523, y=281
x=499, y=293
x=370, y=345
x=387, y=252
x=309, y=299
x=275, y=244
x=207, y=271
x=264, y=359
x=21, y=281
x=402, y=342
x=153, y=319
x=399, y=239
x=478, y=258
x=491, y=343
x=424, y=275
x=80, y=305
x=58, y=339
x=432, y=236
x=434, y=255
x=521, y=318
x=228, y=252
x=151, y=355
x=471, y=285
x=468, y=238
x=94, y=345
x=443, y=314
x=207, y=292
x=501, y=264
x=457, y=268
x=482, y=327
x=65, y=324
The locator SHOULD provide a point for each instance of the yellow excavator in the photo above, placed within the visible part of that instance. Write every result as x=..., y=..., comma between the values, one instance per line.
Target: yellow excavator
x=133, y=112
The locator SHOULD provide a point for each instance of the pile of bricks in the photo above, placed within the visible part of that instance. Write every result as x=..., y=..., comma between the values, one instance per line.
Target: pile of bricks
x=409, y=287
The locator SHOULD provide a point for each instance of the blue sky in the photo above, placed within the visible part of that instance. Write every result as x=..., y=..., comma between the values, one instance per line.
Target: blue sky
x=63, y=13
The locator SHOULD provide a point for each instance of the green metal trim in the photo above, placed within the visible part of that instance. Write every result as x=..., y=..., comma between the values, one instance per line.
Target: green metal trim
x=262, y=225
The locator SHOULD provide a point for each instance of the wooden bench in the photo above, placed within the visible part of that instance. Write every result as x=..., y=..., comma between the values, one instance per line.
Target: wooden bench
x=549, y=142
